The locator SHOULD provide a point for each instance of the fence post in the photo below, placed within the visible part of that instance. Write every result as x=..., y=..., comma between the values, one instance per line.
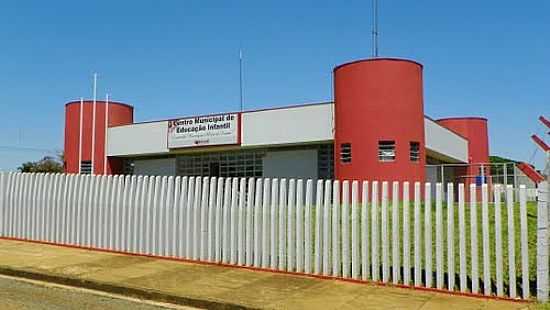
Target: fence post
x=274, y=224
x=542, y=242
x=318, y=228
x=524, y=241
x=2, y=204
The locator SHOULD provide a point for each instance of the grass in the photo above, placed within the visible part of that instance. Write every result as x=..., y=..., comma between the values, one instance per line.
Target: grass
x=532, y=240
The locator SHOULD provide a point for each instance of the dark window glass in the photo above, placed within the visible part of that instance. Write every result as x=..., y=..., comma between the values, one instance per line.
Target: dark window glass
x=386, y=150
x=345, y=152
x=414, y=151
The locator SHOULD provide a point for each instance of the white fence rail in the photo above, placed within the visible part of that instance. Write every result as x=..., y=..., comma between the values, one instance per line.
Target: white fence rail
x=372, y=231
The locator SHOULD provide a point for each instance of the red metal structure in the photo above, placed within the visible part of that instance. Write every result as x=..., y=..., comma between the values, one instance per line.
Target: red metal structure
x=119, y=114
x=379, y=101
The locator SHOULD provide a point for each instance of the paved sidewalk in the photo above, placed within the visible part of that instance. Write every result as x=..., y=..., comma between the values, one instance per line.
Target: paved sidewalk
x=212, y=287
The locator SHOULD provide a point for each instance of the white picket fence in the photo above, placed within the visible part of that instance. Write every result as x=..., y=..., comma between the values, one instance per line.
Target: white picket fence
x=371, y=231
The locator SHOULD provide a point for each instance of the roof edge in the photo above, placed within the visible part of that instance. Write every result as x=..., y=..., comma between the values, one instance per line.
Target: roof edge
x=100, y=101
x=377, y=59
x=462, y=118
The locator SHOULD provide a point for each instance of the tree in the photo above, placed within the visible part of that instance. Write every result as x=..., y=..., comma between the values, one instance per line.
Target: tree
x=48, y=164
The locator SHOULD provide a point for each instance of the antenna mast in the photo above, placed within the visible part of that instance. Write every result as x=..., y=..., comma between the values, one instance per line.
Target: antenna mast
x=374, y=28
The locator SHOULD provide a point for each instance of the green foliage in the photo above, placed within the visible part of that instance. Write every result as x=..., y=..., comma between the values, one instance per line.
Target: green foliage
x=501, y=160
x=48, y=164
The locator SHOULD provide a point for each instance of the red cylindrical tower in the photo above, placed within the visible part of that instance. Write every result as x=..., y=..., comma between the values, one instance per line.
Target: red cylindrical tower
x=379, y=120
x=75, y=148
x=474, y=129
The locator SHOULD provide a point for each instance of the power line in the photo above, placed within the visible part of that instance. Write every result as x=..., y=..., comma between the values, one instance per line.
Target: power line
x=26, y=149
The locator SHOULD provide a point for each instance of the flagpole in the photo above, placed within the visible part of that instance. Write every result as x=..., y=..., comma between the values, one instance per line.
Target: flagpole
x=374, y=28
x=80, y=135
x=241, y=78
x=93, y=122
x=106, y=133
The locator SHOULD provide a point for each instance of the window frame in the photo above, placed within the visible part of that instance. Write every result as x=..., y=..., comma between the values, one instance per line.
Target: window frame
x=388, y=147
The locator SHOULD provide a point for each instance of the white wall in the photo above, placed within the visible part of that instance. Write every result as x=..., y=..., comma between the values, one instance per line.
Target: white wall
x=291, y=164
x=442, y=141
x=161, y=166
x=288, y=126
x=138, y=139
x=293, y=125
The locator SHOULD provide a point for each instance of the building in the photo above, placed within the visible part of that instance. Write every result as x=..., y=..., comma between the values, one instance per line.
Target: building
x=375, y=129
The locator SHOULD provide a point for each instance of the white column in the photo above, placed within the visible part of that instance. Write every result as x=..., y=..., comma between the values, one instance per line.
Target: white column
x=486, y=244
x=282, y=225
x=307, y=227
x=498, y=241
x=174, y=217
x=266, y=227
x=229, y=234
x=130, y=209
x=99, y=206
x=204, y=232
x=274, y=224
x=406, y=236
x=327, y=268
x=365, y=253
x=375, y=252
x=396, y=262
x=220, y=222
x=385, y=237
x=542, y=242
x=250, y=222
x=428, y=234
x=417, y=236
x=336, y=266
x=258, y=211
x=346, y=272
x=524, y=240
x=291, y=226
x=143, y=208
x=439, y=235
x=318, y=228
x=242, y=223
x=197, y=218
x=116, y=192
x=511, y=240
x=189, y=218
x=450, y=237
x=462, y=239
x=3, y=204
x=299, y=225
x=211, y=220
x=473, y=239
x=355, y=240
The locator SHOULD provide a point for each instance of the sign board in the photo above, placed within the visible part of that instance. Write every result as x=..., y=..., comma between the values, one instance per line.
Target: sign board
x=203, y=131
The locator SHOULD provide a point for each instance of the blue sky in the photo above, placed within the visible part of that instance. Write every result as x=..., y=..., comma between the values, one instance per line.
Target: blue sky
x=168, y=58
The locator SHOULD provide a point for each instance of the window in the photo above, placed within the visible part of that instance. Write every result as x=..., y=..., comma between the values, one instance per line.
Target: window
x=86, y=167
x=386, y=150
x=226, y=164
x=325, y=161
x=345, y=153
x=414, y=151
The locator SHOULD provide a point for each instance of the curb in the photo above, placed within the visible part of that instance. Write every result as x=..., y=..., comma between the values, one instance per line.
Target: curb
x=121, y=290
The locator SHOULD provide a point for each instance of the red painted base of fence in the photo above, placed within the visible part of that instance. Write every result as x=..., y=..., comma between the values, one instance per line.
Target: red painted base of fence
x=378, y=283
